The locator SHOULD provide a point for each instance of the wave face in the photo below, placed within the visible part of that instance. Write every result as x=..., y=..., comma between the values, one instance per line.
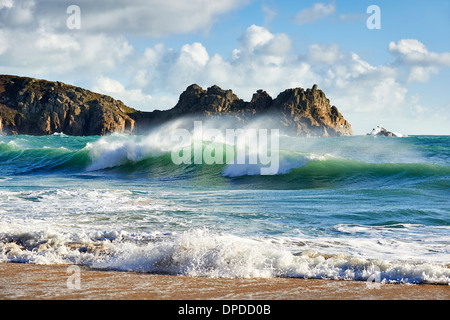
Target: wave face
x=302, y=165
x=27, y=155
x=335, y=208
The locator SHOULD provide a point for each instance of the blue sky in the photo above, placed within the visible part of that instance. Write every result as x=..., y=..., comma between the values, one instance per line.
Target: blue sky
x=147, y=52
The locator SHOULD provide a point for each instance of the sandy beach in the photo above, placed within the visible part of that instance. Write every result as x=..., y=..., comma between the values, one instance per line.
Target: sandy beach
x=55, y=282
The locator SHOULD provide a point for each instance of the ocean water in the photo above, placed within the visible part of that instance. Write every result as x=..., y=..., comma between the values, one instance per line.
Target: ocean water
x=344, y=208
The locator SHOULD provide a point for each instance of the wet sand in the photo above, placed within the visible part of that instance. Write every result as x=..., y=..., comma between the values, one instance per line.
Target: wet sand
x=41, y=282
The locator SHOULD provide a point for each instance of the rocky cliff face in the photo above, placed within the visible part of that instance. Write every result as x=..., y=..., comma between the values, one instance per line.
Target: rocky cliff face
x=308, y=112
x=294, y=111
x=39, y=107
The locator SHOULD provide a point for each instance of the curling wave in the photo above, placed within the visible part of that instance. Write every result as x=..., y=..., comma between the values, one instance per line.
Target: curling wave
x=148, y=156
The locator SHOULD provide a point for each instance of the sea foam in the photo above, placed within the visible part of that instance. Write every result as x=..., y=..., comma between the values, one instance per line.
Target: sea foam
x=201, y=252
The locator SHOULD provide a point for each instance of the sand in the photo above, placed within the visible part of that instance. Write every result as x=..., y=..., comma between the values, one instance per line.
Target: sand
x=56, y=282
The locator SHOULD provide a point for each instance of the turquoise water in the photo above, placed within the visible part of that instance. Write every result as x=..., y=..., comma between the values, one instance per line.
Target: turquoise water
x=339, y=208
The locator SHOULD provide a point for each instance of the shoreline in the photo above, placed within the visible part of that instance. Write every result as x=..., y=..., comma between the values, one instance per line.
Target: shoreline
x=19, y=281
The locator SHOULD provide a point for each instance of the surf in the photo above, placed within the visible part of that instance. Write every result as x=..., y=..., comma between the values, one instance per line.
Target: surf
x=200, y=252
x=150, y=156
x=336, y=208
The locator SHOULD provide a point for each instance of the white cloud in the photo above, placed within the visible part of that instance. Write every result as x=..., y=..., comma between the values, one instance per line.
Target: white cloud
x=279, y=45
x=193, y=54
x=366, y=94
x=323, y=53
x=153, y=18
x=356, y=86
x=317, y=12
x=254, y=37
x=153, y=78
x=422, y=63
x=264, y=60
x=133, y=97
x=408, y=46
x=4, y=42
x=46, y=51
x=186, y=66
x=259, y=43
x=106, y=85
x=6, y=4
x=140, y=79
x=421, y=74
x=48, y=41
x=16, y=13
x=269, y=14
x=412, y=51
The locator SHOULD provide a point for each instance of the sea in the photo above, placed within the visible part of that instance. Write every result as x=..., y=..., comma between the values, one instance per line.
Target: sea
x=359, y=208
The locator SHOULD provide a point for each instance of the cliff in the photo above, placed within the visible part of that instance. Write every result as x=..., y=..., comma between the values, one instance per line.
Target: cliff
x=294, y=111
x=39, y=107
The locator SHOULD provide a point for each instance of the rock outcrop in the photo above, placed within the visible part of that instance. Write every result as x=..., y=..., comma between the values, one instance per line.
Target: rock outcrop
x=294, y=111
x=39, y=107
x=380, y=131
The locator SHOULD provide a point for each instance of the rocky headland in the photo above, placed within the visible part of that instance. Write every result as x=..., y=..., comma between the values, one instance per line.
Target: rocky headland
x=39, y=107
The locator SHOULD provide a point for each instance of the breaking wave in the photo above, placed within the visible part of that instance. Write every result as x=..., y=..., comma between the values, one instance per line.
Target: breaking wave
x=141, y=155
x=203, y=253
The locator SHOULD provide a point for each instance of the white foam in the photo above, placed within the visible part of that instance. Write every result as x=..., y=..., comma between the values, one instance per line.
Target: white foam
x=88, y=209
x=115, y=150
x=110, y=152
x=203, y=253
x=118, y=149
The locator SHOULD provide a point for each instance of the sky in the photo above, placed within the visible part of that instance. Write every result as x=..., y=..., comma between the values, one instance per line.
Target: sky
x=386, y=65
